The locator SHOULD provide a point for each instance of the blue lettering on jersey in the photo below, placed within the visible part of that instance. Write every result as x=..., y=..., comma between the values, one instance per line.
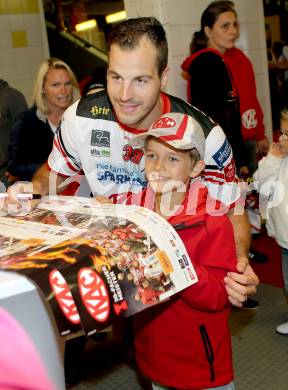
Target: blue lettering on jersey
x=120, y=175
x=222, y=154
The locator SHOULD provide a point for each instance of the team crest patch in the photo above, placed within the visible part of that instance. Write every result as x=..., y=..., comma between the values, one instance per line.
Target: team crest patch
x=230, y=171
x=222, y=154
x=100, y=138
x=164, y=123
x=249, y=119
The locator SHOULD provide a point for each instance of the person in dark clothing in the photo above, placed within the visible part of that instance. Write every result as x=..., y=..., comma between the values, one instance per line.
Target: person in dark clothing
x=222, y=84
x=220, y=28
x=25, y=157
x=55, y=89
x=97, y=80
x=12, y=103
x=211, y=89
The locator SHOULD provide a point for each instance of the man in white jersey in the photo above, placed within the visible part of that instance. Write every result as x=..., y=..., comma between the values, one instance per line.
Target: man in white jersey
x=95, y=133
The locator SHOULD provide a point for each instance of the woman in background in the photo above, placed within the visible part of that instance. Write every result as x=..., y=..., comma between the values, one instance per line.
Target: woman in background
x=32, y=137
x=222, y=83
x=210, y=83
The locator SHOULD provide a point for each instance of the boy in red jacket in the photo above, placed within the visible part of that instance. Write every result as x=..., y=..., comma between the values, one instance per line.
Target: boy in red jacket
x=185, y=342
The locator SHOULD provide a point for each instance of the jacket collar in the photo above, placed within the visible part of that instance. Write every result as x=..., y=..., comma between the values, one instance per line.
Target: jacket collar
x=194, y=206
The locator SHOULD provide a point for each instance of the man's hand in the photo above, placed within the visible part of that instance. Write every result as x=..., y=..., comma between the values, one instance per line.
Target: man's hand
x=239, y=285
x=244, y=282
x=244, y=171
x=15, y=201
x=15, y=205
x=10, y=178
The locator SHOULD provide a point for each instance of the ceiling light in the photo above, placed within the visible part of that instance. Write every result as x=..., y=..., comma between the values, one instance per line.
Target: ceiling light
x=86, y=25
x=116, y=17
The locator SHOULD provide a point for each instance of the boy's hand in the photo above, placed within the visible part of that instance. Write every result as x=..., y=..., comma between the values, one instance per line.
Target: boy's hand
x=284, y=145
x=102, y=199
x=279, y=149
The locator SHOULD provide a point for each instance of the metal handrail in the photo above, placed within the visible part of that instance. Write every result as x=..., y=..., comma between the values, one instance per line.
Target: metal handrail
x=80, y=42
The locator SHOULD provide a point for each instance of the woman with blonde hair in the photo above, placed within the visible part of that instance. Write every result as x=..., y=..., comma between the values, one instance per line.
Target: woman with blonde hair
x=55, y=89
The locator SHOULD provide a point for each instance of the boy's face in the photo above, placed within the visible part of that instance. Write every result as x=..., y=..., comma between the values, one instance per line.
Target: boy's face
x=166, y=168
x=133, y=84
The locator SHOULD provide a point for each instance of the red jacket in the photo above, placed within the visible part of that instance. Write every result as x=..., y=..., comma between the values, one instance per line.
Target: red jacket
x=244, y=81
x=244, y=78
x=185, y=342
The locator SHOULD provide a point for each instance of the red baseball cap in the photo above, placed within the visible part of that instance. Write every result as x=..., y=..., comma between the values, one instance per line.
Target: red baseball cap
x=178, y=130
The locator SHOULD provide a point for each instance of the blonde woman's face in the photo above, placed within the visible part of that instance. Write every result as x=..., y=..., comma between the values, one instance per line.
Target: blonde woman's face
x=58, y=89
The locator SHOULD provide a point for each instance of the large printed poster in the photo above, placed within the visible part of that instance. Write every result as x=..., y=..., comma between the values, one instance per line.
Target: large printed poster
x=93, y=262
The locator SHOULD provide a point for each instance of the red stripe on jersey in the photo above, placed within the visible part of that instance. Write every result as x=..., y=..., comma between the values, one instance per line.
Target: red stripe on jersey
x=165, y=102
x=62, y=152
x=214, y=174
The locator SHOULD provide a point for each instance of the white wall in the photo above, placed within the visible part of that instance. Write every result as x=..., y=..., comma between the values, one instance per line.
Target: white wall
x=23, y=43
x=182, y=17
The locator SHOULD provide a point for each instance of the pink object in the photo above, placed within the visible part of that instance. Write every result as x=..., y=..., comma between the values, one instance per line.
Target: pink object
x=20, y=364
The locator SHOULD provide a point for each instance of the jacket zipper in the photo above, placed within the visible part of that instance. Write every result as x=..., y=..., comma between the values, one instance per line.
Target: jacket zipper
x=208, y=351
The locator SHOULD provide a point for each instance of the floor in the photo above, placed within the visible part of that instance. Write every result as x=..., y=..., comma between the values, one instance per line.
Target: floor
x=260, y=354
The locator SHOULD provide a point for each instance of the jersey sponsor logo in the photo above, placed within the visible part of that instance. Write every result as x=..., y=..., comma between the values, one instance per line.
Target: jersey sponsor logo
x=100, y=153
x=132, y=154
x=222, y=154
x=120, y=175
x=249, y=119
x=230, y=171
x=100, y=138
x=95, y=110
x=164, y=122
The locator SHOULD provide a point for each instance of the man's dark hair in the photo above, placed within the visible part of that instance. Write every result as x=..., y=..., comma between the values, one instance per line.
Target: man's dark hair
x=127, y=35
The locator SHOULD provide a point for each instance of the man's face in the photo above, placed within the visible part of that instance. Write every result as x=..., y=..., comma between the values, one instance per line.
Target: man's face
x=133, y=84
